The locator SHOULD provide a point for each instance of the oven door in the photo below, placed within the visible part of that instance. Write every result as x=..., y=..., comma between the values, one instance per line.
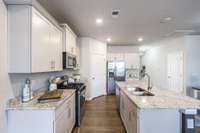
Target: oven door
x=82, y=97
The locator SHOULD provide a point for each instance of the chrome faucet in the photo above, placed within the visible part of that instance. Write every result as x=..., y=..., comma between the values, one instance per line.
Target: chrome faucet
x=149, y=82
x=143, y=74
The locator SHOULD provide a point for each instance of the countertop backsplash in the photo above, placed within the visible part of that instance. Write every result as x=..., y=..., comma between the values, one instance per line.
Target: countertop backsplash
x=38, y=80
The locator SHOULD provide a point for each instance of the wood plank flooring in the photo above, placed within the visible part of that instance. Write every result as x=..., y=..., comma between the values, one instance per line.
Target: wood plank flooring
x=101, y=116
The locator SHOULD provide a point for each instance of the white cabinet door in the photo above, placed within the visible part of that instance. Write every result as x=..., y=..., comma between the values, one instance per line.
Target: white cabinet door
x=71, y=113
x=132, y=60
x=128, y=113
x=46, y=45
x=61, y=123
x=56, y=49
x=132, y=117
x=41, y=50
x=119, y=56
x=122, y=107
x=65, y=116
x=70, y=40
x=78, y=54
x=70, y=43
x=110, y=56
x=73, y=44
x=67, y=40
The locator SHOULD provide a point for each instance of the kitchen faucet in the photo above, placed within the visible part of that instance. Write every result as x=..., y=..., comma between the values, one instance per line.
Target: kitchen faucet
x=149, y=82
x=143, y=74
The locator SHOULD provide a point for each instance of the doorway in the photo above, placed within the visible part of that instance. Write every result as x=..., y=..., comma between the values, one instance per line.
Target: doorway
x=175, y=72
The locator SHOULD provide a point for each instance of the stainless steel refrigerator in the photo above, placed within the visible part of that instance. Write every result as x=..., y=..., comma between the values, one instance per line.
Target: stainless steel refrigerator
x=115, y=72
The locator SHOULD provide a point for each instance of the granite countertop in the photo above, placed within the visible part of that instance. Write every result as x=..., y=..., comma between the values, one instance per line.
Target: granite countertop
x=163, y=99
x=16, y=104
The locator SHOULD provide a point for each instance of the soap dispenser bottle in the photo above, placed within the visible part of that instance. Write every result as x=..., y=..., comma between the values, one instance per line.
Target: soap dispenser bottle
x=26, y=93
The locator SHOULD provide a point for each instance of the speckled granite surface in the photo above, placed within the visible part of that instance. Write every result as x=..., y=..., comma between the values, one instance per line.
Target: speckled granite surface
x=16, y=104
x=162, y=99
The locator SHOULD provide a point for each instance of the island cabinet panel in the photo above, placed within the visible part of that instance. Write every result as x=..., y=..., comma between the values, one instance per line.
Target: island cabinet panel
x=60, y=120
x=34, y=43
x=159, y=121
x=128, y=112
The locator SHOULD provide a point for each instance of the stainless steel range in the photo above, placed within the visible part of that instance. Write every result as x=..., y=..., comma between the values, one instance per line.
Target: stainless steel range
x=80, y=96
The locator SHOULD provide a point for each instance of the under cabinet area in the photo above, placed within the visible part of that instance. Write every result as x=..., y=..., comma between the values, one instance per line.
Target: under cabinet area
x=38, y=45
x=43, y=120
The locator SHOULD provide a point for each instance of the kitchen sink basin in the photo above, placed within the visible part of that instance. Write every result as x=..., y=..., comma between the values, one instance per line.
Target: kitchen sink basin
x=139, y=92
x=147, y=94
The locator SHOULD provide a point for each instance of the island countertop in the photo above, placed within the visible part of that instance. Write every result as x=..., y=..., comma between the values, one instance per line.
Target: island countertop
x=15, y=104
x=163, y=99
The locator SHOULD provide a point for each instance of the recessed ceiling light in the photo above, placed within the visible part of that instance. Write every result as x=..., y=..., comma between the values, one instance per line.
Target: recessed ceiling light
x=99, y=21
x=140, y=39
x=108, y=39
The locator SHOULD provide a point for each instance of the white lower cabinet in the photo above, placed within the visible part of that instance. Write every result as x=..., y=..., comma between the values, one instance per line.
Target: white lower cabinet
x=128, y=112
x=65, y=117
x=61, y=120
x=148, y=120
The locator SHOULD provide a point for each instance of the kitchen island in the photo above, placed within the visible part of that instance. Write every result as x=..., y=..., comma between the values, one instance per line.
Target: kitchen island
x=161, y=113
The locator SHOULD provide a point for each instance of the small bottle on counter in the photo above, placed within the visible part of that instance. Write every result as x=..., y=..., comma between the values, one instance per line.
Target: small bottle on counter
x=26, y=93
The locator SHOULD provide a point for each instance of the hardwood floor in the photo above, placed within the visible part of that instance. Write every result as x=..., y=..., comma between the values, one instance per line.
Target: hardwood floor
x=198, y=130
x=101, y=116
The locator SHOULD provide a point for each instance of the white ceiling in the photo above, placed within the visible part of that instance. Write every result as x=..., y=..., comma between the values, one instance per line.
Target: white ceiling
x=137, y=18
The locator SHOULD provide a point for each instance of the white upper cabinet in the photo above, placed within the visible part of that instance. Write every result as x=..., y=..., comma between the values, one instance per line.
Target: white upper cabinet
x=78, y=54
x=132, y=60
x=35, y=44
x=69, y=40
x=115, y=56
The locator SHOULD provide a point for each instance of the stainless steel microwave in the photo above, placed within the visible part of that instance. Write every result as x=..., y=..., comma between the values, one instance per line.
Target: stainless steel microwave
x=69, y=61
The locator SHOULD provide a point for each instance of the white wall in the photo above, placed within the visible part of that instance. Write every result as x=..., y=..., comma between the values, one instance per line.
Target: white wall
x=11, y=84
x=193, y=62
x=5, y=86
x=155, y=59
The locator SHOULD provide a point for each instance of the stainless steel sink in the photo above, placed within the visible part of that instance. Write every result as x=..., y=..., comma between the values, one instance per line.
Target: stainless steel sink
x=142, y=92
x=146, y=93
